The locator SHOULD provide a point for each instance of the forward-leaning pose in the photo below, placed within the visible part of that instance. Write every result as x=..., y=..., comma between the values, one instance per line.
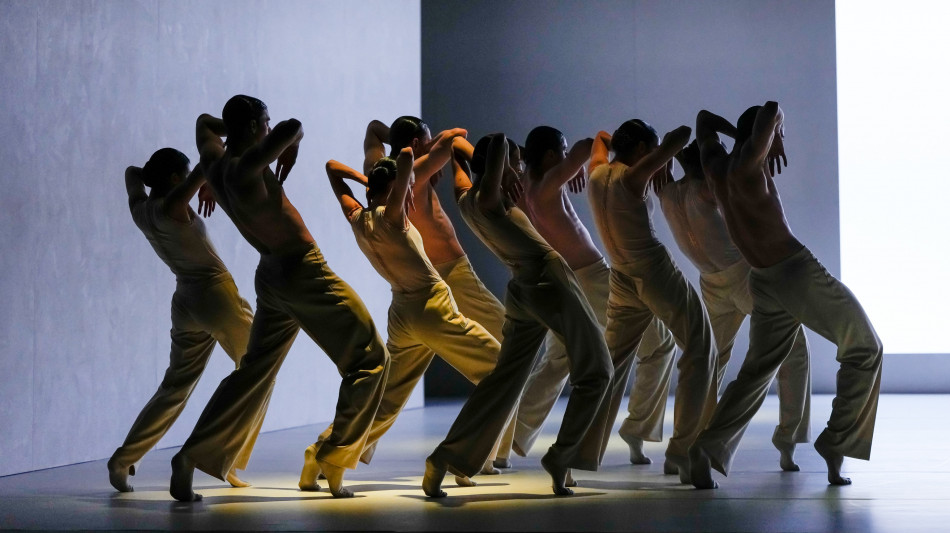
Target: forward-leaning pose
x=790, y=288
x=697, y=225
x=645, y=284
x=551, y=168
x=295, y=289
x=424, y=320
x=542, y=294
x=441, y=244
x=206, y=306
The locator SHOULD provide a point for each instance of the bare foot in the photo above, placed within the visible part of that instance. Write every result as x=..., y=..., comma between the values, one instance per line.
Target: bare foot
x=182, y=472
x=119, y=475
x=432, y=480
x=235, y=481
x=786, y=455
x=636, y=450
x=310, y=471
x=335, y=479
x=501, y=462
x=700, y=470
x=488, y=469
x=834, y=460
x=517, y=449
x=569, y=479
x=558, y=476
x=670, y=468
x=465, y=481
x=680, y=465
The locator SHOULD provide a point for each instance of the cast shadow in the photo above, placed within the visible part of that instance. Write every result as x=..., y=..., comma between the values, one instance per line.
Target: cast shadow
x=453, y=501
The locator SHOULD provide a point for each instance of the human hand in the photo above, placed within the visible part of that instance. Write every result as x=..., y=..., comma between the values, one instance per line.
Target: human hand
x=285, y=162
x=206, y=201
x=662, y=177
x=776, y=151
x=511, y=185
x=578, y=183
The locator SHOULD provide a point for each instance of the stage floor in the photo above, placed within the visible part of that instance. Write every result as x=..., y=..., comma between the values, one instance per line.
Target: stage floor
x=905, y=487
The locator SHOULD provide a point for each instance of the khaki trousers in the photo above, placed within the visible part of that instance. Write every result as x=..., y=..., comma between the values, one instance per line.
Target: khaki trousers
x=203, y=314
x=421, y=325
x=474, y=300
x=294, y=292
x=536, y=302
x=653, y=287
x=728, y=301
x=549, y=376
x=799, y=291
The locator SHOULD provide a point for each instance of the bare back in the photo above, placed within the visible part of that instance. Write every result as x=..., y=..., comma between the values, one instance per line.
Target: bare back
x=438, y=234
x=554, y=218
x=264, y=214
x=751, y=207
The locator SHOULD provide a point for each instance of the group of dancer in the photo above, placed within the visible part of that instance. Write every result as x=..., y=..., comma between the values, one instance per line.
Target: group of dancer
x=594, y=319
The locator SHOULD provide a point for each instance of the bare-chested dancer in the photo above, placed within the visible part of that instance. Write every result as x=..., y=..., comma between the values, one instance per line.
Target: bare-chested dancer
x=790, y=288
x=295, y=289
x=697, y=225
x=551, y=170
x=442, y=246
x=206, y=306
x=646, y=284
x=542, y=294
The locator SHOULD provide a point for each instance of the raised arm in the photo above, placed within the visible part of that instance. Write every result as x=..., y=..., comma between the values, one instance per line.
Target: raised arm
x=374, y=144
x=638, y=176
x=134, y=186
x=337, y=173
x=496, y=161
x=208, y=133
x=427, y=165
x=400, y=192
x=568, y=168
x=766, y=144
x=177, y=200
x=708, y=127
x=285, y=136
x=462, y=173
x=599, y=151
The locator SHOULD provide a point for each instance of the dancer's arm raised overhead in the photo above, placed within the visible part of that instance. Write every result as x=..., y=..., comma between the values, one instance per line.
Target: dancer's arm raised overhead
x=567, y=169
x=496, y=163
x=208, y=133
x=374, y=144
x=461, y=167
x=599, y=151
x=134, y=186
x=400, y=196
x=177, y=200
x=279, y=145
x=337, y=173
x=766, y=145
x=426, y=166
x=637, y=176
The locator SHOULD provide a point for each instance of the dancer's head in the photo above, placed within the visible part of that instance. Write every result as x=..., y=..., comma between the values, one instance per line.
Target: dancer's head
x=689, y=159
x=165, y=169
x=381, y=179
x=246, y=119
x=634, y=139
x=544, y=148
x=745, y=123
x=409, y=131
x=480, y=155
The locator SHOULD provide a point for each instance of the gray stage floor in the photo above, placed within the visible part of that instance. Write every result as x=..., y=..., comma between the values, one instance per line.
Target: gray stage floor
x=905, y=487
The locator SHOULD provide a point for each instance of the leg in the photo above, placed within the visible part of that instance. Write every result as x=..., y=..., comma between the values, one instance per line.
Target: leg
x=190, y=350
x=544, y=386
x=794, y=398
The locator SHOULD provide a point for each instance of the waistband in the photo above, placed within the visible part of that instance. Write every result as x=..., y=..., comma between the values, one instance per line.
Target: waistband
x=447, y=267
x=643, y=257
x=422, y=293
x=734, y=271
x=290, y=257
x=778, y=269
x=593, y=270
x=212, y=279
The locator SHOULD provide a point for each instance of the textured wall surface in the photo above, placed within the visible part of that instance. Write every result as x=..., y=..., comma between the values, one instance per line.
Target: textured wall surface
x=91, y=87
x=583, y=66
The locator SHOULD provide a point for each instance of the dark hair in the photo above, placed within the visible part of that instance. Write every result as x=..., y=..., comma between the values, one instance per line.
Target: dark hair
x=384, y=172
x=745, y=123
x=404, y=130
x=480, y=153
x=689, y=157
x=239, y=111
x=539, y=141
x=630, y=134
x=162, y=165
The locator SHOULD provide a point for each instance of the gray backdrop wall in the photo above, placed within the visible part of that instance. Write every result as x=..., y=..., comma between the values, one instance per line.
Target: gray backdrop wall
x=582, y=66
x=89, y=88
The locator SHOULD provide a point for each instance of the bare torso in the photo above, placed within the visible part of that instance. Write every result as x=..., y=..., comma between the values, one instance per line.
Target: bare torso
x=753, y=212
x=554, y=218
x=269, y=222
x=438, y=234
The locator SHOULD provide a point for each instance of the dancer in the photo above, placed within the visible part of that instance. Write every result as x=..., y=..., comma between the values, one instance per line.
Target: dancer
x=206, y=306
x=423, y=318
x=542, y=294
x=645, y=284
x=295, y=289
x=551, y=168
x=790, y=288
x=697, y=225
